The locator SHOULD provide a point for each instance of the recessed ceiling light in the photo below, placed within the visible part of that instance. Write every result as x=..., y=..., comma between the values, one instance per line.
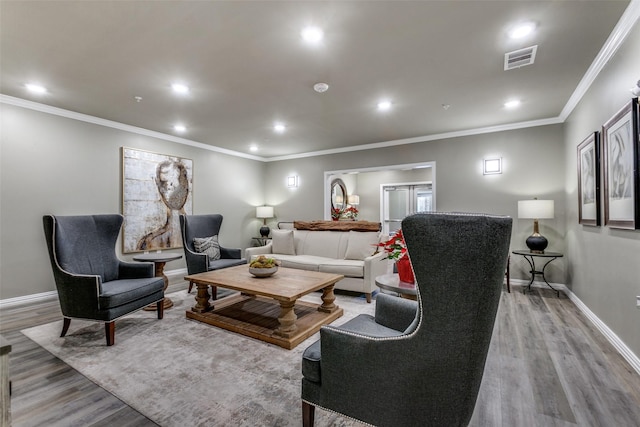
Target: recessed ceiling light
x=312, y=34
x=320, y=87
x=253, y=147
x=512, y=104
x=35, y=88
x=179, y=128
x=522, y=30
x=384, y=105
x=180, y=88
x=279, y=127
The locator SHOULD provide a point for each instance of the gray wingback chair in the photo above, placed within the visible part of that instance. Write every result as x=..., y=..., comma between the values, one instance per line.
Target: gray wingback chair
x=193, y=226
x=92, y=282
x=417, y=363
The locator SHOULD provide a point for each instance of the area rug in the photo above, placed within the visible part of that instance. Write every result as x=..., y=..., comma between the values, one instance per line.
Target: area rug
x=180, y=372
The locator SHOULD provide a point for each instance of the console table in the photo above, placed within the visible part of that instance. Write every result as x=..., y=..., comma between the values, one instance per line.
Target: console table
x=531, y=256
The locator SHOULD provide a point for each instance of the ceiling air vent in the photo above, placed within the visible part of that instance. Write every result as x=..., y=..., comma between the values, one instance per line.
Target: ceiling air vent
x=520, y=58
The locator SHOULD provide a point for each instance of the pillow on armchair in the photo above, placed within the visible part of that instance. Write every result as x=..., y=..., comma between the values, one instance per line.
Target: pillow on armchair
x=207, y=245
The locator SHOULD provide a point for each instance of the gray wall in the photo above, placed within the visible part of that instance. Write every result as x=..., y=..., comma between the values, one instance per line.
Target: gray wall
x=533, y=164
x=603, y=263
x=51, y=164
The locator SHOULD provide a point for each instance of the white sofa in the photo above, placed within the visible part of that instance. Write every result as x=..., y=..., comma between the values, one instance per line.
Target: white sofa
x=350, y=253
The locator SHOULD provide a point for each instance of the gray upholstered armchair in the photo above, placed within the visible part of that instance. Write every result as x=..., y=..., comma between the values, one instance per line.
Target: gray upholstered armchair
x=417, y=363
x=92, y=282
x=203, y=226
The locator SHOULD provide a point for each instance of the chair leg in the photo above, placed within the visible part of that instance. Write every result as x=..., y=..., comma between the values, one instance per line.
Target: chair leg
x=110, y=330
x=160, y=307
x=190, y=287
x=308, y=414
x=65, y=326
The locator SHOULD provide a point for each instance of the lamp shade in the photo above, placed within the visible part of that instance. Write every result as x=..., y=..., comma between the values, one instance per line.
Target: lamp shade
x=264, y=212
x=535, y=209
x=353, y=199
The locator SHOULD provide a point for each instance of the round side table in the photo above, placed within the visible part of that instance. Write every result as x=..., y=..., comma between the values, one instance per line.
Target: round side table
x=391, y=282
x=159, y=260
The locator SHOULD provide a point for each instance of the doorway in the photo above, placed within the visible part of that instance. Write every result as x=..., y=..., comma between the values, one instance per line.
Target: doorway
x=400, y=200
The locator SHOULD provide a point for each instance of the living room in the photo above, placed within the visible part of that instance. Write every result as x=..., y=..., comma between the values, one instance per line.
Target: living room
x=64, y=162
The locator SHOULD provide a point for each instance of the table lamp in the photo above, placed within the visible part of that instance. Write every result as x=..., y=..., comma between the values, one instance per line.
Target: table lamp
x=264, y=212
x=353, y=200
x=536, y=209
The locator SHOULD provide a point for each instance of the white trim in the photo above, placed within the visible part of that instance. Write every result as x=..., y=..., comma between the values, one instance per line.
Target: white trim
x=418, y=139
x=611, y=336
x=53, y=295
x=610, y=47
x=28, y=299
x=19, y=102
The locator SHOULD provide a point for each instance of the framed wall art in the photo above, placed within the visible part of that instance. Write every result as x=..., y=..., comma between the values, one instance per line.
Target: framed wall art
x=156, y=189
x=589, y=180
x=621, y=177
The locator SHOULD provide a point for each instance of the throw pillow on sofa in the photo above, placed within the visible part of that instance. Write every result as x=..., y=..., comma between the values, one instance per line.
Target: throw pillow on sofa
x=282, y=242
x=361, y=244
x=207, y=245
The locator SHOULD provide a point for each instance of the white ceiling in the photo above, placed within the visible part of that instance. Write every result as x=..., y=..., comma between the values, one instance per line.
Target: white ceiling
x=247, y=66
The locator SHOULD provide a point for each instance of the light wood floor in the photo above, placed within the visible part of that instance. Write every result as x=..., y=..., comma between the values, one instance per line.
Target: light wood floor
x=548, y=366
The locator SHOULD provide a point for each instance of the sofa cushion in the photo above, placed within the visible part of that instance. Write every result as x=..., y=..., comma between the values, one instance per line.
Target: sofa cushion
x=328, y=244
x=361, y=244
x=346, y=267
x=207, y=245
x=282, y=242
x=301, y=262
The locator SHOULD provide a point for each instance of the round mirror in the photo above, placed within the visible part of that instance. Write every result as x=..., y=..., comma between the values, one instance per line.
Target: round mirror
x=338, y=197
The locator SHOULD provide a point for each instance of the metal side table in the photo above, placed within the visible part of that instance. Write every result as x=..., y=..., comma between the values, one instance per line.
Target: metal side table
x=530, y=257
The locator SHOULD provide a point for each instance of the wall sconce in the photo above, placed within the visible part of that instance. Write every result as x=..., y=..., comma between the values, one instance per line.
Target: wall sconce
x=492, y=166
x=292, y=181
x=264, y=212
x=353, y=200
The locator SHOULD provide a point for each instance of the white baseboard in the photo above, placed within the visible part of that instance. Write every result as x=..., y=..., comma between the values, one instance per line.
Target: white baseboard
x=611, y=336
x=53, y=295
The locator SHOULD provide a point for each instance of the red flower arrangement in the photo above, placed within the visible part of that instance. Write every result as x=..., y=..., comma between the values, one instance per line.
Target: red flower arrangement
x=351, y=213
x=395, y=246
x=336, y=213
x=396, y=249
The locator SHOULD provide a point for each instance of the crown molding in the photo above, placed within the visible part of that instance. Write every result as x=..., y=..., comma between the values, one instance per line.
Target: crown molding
x=418, y=139
x=19, y=102
x=613, y=43
x=610, y=47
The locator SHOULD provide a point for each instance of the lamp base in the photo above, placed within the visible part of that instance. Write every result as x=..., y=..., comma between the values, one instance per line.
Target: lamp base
x=537, y=243
x=264, y=231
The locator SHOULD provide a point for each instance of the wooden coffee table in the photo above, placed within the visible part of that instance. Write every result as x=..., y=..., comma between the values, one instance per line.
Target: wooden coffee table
x=267, y=308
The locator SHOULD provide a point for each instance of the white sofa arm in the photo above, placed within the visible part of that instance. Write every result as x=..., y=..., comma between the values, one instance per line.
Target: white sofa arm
x=258, y=250
x=374, y=266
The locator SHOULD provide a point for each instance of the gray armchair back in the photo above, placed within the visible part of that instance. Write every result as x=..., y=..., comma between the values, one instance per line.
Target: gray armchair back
x=418, y=363
x=91, y=281
x=201, y=226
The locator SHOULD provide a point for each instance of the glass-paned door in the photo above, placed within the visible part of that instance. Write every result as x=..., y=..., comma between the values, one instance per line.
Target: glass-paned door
x=399, y=201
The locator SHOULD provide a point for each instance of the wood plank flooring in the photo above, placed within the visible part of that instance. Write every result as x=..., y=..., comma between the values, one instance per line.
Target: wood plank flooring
x=547, y=366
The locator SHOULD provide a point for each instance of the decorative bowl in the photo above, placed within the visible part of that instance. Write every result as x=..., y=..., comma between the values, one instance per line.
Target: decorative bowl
x=263, y=272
